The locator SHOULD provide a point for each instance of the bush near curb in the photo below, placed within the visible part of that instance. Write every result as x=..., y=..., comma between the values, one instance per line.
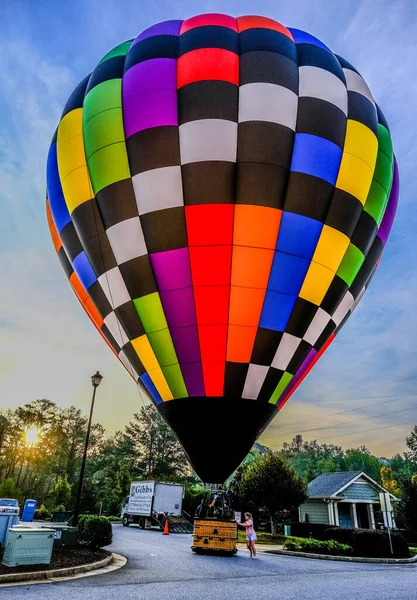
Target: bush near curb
x=309, y=530
x=330, y=547
x=95, y=531
x=370, y=542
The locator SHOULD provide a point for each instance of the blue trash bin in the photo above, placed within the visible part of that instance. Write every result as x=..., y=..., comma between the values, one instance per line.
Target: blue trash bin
x=29, y=510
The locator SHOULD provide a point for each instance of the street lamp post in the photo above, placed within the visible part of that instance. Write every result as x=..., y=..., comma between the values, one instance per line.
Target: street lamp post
x=95, y=380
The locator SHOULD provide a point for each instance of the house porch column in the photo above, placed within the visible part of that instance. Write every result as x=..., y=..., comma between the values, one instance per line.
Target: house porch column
x=355, y=516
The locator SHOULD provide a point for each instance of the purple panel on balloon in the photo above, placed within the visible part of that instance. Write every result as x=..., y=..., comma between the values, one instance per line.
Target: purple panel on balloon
x=154, y=74
x=179, y=307
x=186, y=343
x=164, y=28
x=154, y=108
x=171, y=269
x=388, y=219
x=193, y=377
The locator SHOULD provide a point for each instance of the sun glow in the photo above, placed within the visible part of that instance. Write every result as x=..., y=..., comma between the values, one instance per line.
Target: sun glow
x=32, y=436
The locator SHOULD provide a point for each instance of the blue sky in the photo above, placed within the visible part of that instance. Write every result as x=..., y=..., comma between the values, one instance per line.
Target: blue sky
x=48, y=348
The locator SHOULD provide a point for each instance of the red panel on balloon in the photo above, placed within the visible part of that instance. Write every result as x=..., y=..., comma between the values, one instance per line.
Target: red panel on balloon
x=209, y=19
x=213, y=375
x=211, y=265
x=207, y=64
x=209, y=224
x=212, y=342
x=212, y=305
x=255, y=22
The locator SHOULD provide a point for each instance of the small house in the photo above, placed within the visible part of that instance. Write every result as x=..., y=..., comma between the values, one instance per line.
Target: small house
x=347, y=499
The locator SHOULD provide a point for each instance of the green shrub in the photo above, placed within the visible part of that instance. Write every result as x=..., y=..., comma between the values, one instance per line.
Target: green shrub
x=95, y=531
x=318, y=546
x=309, y=530
x=42, y=513
x=370, y=543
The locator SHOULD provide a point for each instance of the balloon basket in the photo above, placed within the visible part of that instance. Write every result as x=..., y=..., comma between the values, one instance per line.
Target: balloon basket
x=213, y=535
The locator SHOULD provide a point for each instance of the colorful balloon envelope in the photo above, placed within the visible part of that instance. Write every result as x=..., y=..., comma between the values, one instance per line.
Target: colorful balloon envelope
x=219, y=193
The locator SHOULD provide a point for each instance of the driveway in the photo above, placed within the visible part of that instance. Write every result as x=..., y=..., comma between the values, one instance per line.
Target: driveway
x=164, y=568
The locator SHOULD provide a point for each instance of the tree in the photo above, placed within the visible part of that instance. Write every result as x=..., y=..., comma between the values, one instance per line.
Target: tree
x=273, y=485
x=8, y=489
x=61, y=492
x=407, y=509
x=411, y=442
x=388, y=482
x=157, y=454
x=360, y=459
x=310, y=459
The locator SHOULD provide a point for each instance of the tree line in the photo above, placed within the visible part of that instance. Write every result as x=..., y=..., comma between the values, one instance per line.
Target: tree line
x=48, y=469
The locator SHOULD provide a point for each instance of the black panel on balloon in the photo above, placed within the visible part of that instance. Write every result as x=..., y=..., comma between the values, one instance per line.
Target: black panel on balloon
x=268, y=67
x=344, y=212
x=138, y=276
x=164, y=229
x=209, y=182
x=215, y=440
x=208, y=100
x=261, y=184
x=117, y=202
x=153, y=148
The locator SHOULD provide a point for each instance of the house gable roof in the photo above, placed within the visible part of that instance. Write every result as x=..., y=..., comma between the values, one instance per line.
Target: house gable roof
x=330, y=484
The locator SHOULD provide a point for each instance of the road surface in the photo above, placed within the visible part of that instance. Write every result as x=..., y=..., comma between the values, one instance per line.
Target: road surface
x=164, y=568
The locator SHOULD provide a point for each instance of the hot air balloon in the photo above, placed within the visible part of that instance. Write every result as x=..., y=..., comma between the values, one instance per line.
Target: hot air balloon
x=219, y=193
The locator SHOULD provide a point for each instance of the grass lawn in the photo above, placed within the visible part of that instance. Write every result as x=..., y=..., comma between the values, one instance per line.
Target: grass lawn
x=265, y=538
x=413, y=551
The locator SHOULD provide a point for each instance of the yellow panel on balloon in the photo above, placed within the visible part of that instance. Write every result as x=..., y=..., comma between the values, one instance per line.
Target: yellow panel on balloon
x=77, y=188
x=147, y=357
x=316, y=283
x=70, y=125
x=361, y=142
x=331, y=248
x=159, y=381
x=355, y=177
x=70, y=155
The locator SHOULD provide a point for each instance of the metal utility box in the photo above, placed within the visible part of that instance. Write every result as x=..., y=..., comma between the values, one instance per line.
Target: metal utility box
x=29, y=510
x=29, y=546
x=65, y=536
x=213, y=535
x=6, y=521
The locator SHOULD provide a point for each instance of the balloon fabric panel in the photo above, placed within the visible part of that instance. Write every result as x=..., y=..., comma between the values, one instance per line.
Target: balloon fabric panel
x=220, y=191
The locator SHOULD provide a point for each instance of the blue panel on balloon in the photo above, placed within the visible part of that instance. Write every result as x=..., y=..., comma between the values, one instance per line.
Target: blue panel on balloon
x=287, y=273
x=298, y=235
x=148, y=383
x=316, y=156
x=276, y=310
x=59, y=208
x=84, y=270
x=302, y=37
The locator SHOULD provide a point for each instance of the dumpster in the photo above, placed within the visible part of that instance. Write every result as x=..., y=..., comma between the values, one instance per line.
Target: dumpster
x=65, y=536
x=29, y=510
x=29, y=546
x=61, y=517
x=287, y=529
x=6, y=521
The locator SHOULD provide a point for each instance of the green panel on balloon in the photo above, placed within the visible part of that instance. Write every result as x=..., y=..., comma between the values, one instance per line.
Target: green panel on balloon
x=108, y=165
x=103, y=129
x=383, y=171
x=283, y=382
x=350, y=265
x=102, y=97
x=120, y=50
x=163, y=347
x=175, y=381
x=151, y=313
x=376, y=201
x=384, y=141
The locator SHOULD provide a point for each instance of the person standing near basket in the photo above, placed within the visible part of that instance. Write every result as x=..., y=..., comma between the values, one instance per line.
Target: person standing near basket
x=250, y=534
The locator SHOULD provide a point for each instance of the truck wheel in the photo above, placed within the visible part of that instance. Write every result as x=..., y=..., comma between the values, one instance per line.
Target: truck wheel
x=141, y=523
x=125, y=521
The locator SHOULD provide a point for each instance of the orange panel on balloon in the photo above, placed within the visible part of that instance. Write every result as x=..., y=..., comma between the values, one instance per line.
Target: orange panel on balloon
x=213, y=375
x=209, y=224
x=251, y=266
x=56, y=240
x=211, y=265
x=255, y=22
x=256, y=226
x=209, y=19
x=208, y=64
x=212, y=305
x=212, y=342
x=245, y=306
x=93, y=312
x=240, y=341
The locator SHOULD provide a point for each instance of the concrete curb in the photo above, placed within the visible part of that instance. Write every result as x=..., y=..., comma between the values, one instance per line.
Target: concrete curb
x=358, y=559
x=110, y=563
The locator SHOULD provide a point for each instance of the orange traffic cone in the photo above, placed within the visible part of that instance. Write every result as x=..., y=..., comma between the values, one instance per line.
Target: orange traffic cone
x=166, y=528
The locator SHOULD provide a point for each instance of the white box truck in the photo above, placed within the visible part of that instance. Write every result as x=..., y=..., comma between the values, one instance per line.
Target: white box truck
x=152, y=503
